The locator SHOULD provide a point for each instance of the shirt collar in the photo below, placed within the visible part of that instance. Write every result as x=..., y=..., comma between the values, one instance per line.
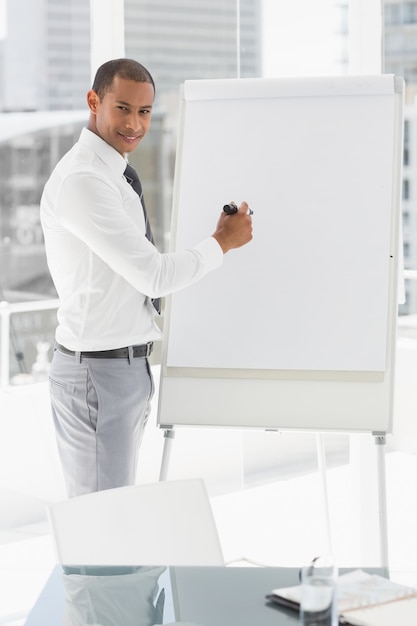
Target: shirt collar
x=113, y=159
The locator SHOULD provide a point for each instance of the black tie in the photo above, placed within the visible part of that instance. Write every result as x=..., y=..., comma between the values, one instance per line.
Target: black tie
x=133, y=180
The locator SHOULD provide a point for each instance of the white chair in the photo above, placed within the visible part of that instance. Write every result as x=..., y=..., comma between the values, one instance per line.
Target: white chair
x=164, y=523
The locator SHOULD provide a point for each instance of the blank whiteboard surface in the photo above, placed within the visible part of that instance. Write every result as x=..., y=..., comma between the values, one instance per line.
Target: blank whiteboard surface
x=319, y=162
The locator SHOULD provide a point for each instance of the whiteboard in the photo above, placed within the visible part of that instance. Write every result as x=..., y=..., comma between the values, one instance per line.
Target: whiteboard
x=297, y=329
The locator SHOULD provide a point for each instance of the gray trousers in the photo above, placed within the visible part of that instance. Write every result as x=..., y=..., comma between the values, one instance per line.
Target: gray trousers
x=100, y=408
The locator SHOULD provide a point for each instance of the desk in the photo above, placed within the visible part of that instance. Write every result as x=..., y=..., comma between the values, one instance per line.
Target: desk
x=144, y=596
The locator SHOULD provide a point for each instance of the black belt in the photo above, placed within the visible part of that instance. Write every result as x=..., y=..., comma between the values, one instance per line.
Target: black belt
x=118, y=353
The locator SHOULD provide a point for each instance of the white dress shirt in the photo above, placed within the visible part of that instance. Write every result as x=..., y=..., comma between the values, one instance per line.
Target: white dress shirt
x=103, y=267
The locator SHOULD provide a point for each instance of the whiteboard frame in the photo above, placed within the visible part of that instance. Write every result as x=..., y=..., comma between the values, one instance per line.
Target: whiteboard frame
x=328, y=401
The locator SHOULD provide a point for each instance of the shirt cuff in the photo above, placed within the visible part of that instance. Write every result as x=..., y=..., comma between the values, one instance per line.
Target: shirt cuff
x=212, y=253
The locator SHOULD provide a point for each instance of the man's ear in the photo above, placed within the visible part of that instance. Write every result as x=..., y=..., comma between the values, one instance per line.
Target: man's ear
x=92, y=101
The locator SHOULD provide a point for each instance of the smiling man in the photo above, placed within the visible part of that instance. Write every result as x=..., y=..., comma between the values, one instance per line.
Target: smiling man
x=121, y=109
x=107, y=273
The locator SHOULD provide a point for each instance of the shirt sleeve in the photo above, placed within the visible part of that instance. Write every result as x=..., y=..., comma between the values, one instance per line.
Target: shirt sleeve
x=92, y=209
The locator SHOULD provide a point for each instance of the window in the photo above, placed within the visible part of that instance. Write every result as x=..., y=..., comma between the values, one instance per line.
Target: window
x=46, y=69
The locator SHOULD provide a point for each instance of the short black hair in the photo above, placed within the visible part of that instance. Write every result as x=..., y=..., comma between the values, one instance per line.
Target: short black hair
x=128, y=69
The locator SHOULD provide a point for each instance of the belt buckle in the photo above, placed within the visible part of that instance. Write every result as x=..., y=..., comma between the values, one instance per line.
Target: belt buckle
x=149, y=347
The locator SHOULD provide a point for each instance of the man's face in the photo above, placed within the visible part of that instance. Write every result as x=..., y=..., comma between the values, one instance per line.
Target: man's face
x=123, y=116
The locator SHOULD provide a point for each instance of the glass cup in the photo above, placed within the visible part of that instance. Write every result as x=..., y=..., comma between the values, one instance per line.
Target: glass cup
x=318, y=602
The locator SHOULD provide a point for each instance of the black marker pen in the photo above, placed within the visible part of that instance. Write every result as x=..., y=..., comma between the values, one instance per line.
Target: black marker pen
x=230, y=208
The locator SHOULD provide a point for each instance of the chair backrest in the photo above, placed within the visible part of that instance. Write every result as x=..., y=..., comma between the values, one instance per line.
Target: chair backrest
x=164, y=523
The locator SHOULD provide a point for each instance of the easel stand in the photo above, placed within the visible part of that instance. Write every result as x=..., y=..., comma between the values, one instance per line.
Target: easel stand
x=321, y=461
x=169, y=436
x=380, y=442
